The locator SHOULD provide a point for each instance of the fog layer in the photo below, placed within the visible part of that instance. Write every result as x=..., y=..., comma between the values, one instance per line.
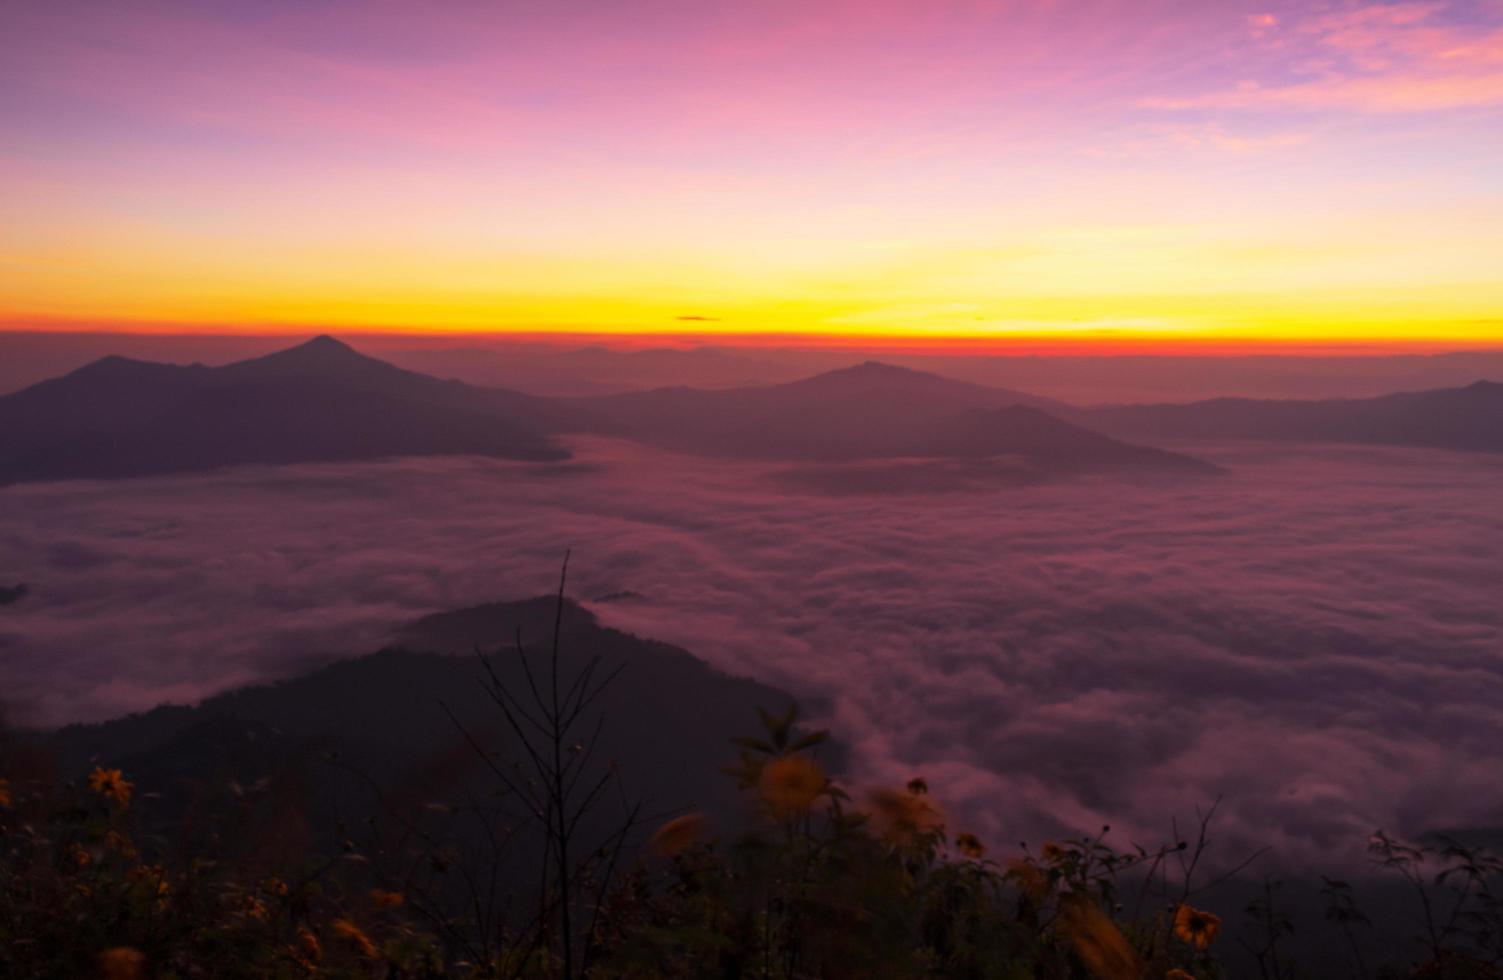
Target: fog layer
x=1317, y=636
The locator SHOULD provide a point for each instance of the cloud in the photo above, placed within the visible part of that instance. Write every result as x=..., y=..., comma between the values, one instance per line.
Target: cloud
x=1315, y=636
x=1369, y=58
x=1387, y=93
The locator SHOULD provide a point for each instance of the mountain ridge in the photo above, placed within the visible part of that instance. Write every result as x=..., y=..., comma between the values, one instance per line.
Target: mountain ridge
x=319, y=401
x=1468, y=418
x=324, y=401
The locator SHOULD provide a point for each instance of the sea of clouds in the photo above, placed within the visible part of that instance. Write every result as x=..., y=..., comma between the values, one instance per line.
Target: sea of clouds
x=1317, y=636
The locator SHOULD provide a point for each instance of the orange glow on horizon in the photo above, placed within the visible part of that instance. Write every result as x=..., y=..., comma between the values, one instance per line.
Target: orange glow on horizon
x=1098, y=343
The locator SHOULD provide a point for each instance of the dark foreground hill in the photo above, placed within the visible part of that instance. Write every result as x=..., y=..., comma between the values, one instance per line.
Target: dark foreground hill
x=1468, y=419
x=666, y=722
x=324, y=402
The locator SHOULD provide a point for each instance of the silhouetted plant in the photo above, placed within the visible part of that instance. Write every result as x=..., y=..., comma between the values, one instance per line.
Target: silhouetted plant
x=1456, y=890
x=548, y=773
x=1341, y=908
x=1270, y=926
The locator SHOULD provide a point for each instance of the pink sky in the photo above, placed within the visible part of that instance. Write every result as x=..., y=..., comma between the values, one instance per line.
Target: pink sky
x=1214, y=171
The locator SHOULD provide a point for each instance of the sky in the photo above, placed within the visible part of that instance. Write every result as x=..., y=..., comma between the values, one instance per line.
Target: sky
x=1093, y=175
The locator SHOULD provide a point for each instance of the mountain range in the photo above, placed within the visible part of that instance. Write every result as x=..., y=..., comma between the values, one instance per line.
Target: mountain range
x=323, y=401
x=1467, y=419
x=317, y=402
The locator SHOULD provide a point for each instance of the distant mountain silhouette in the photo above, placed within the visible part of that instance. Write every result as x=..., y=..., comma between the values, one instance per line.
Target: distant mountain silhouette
x=668, y=719
x=594, y=370
x=1469, y=418
x=871, y=378
x=869, y=411
x=320, y=401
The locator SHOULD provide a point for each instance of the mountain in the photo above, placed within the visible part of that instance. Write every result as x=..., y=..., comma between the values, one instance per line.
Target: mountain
x=563, y=369
x=666, y=721
x=1469, y=419
x=320, y=401
x=870, y=411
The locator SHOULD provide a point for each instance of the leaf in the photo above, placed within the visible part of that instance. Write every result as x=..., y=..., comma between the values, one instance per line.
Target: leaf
x=810, y=740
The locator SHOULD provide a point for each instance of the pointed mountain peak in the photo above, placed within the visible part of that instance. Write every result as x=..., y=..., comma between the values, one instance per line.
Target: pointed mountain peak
x=322, y=345
x=322, y=350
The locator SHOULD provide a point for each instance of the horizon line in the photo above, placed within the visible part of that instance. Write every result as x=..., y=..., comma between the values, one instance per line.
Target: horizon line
x=1063, y=343
x=1041, y=344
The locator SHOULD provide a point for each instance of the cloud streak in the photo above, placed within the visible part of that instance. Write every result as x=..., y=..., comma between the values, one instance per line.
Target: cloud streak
x=1315, y=637
x=1369, y=58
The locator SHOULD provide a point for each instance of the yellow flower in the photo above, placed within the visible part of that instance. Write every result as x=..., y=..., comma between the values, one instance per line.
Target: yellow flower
x=79, y=857
x=791, y=783
x=1098, y=942
x=1178, y=974
x=970, y=846
x=154, y=877
x=903, y=818
x=1195, y=927
x=122, y=963
x=111, y=784
x=119, y=843
x=275, y=886
x=383, y=900
x=1029, y=878
x=677, y=834
x=352, y=934
x=308, y=944
x=4, y=794
x=1053, y=853
x=253, y=908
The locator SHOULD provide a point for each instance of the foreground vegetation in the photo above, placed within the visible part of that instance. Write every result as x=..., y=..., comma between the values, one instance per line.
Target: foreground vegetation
x=555, y=873
x=820, y=885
